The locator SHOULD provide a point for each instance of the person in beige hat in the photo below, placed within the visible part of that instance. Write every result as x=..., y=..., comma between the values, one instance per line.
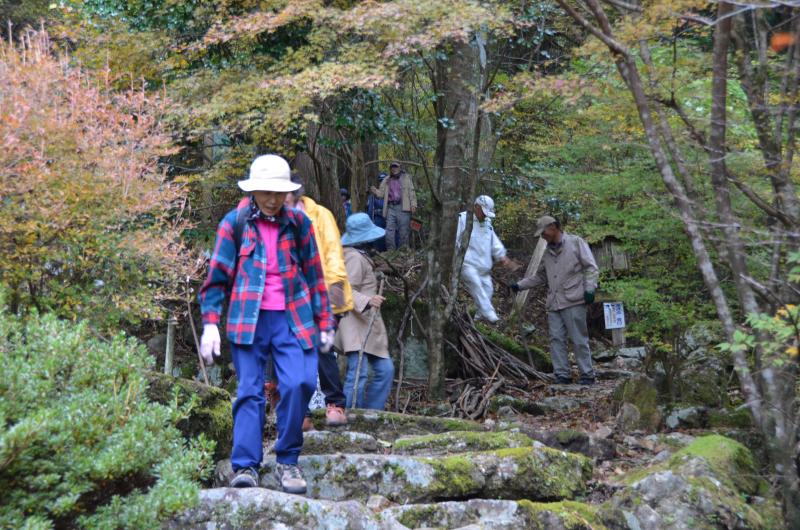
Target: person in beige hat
x=570, y=273
x=266, y=260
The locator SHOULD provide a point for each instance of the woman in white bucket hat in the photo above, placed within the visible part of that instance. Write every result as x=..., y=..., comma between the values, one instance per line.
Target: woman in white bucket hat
x=266, y=258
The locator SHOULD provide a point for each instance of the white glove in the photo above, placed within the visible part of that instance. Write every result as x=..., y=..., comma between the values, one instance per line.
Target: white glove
x=209, y=343
x=326, y=341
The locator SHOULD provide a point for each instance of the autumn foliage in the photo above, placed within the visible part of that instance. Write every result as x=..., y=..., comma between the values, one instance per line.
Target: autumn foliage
x=89, y=224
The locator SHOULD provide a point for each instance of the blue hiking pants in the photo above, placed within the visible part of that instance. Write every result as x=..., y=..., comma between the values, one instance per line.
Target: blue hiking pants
x=296, y=371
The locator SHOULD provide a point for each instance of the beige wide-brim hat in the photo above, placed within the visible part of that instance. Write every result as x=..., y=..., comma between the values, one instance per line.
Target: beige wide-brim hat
x=542, y=223
x=269, y=173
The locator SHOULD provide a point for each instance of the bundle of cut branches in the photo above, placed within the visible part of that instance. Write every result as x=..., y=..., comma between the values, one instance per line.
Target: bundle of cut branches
x=483, y=358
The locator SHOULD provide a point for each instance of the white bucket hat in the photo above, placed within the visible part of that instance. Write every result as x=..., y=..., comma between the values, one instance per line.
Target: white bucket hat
x=487, y=205
x=269, y=173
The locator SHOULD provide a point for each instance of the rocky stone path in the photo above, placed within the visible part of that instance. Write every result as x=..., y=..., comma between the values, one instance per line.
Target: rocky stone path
x=610, y=456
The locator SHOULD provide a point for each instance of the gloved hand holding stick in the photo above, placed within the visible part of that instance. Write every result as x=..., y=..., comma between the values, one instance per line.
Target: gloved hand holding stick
x=373, y=315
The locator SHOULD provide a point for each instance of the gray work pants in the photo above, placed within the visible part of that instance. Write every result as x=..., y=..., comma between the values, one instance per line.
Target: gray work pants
x=570, y=323
x=397, y=222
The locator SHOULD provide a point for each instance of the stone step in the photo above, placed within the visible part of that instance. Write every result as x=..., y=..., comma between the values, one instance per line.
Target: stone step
x=459, y=442
x=495, y=514
x=391, y=425
x=711, y=480
x=536, y=473
x=330, y=442
x=333, y=442
x=228, y=508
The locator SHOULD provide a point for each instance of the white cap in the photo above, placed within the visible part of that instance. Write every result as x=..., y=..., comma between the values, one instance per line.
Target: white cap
x=269, y=173
x=487, y=205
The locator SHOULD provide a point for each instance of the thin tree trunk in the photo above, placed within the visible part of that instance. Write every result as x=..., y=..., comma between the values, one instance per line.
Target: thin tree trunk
x=731, y=224
x=630, y=74
x=456, y=78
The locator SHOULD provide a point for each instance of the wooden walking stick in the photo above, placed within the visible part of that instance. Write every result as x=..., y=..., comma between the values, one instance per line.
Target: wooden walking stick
x=533, y=266
x=194, y=330
x=372, y=317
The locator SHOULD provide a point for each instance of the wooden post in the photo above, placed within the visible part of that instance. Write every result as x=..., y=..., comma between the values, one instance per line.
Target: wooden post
x=618, y=337
x=533, y=266
x=168, y=358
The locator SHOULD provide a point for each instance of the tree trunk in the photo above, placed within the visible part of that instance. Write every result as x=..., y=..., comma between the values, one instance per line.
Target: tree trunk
x=456, y=80
x=731, y=224
x=319, y=169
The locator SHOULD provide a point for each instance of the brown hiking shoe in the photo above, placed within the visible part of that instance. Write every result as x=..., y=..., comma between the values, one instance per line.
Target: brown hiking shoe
x=271, y=390
x=290, y=478
x=335, y=416
x=307, y=425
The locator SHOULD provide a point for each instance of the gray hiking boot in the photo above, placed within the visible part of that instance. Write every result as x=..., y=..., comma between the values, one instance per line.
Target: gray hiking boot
x=245, y=478
x=290, y=478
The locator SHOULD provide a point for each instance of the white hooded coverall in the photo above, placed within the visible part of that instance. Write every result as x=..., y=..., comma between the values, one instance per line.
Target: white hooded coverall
x=484, y=249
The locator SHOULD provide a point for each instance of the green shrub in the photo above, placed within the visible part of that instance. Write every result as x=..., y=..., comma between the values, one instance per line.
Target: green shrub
x=81, y=445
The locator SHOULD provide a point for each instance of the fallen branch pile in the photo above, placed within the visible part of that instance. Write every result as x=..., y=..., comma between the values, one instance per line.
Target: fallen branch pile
x=482, y=358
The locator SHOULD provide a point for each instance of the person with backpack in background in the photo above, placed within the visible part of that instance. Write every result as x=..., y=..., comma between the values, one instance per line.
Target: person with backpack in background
x=340, y=294
x=354, y=328
x=346, y=204
x=399, y=202
x=375, y=212
x=266, y=256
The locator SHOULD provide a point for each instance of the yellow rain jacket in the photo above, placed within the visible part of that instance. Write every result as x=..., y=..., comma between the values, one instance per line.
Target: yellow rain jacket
x=329, y=243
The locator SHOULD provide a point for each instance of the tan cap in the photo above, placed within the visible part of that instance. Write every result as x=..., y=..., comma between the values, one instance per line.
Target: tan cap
x=542, y=223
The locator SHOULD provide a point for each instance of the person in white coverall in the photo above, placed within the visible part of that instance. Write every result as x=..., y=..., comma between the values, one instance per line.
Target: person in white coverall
x=484, y=249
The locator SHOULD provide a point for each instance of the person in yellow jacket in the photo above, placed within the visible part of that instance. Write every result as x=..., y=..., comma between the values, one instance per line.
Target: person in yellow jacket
x=340, y=294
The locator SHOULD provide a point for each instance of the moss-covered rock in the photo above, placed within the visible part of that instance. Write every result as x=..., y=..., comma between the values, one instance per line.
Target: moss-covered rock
x=391, y=425
x=728, y=459
x=730, y=418
x=541, y=359
x=211, y=415
x=538, y=473
x=707, y=482
x=496, y=514
x=459, y=442
x=229, y=509
x=564, y=515
x=329, y=442
x=519, y=405
x=640, y=392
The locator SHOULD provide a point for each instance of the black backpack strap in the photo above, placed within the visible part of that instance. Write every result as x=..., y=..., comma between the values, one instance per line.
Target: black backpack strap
x=238, y=228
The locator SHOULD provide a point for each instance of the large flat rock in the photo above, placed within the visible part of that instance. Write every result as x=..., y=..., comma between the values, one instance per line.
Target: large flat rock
x=712, y=482
x=495, y=515
x=391, y=425
x=228, y=508
x=537, y=473
x=329, y=442
x=459, y=442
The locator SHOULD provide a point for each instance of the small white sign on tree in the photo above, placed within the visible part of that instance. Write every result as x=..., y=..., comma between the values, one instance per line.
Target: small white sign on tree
x=614, y=313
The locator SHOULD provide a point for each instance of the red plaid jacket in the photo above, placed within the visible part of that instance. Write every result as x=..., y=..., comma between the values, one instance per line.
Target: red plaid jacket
x=307, y=308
